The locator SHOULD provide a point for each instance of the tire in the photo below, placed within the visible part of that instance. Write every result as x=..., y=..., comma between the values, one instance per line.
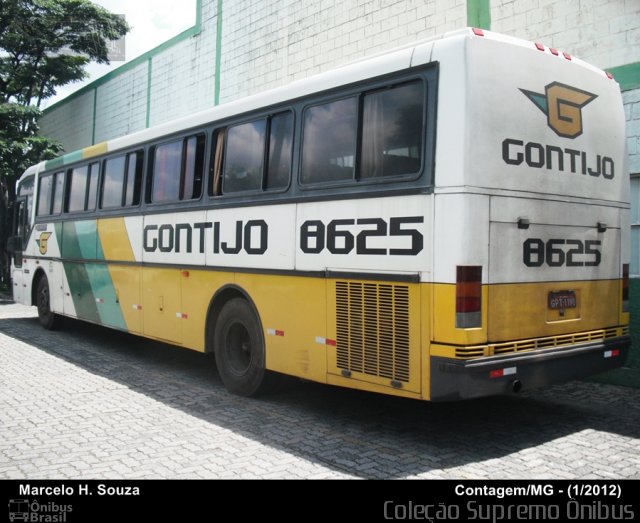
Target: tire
x=48, y=319
x=239, y=350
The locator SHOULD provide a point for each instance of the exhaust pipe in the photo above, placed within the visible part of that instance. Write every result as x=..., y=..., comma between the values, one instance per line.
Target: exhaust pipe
x=516, y=386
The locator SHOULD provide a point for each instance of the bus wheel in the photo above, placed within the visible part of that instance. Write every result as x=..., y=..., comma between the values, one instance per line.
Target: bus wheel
x=239, y=349
x=49, y=320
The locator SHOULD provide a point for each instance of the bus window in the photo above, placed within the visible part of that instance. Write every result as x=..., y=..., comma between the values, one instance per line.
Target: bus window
x=134, y=179
x=193, y=168
x=178, y=170
x=279, y=164
x=329, y=141
x=26, y=189
x=77, y=189
x=112, y=183
x=215, y=171
x=244, y=160
x=392, y=131
x=92, y=192
x=58, y=194
x=166, y=172
x=44, y=195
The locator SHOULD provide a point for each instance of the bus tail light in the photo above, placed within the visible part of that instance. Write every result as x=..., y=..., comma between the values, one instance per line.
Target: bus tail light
x=625, y=287
x=468, y=296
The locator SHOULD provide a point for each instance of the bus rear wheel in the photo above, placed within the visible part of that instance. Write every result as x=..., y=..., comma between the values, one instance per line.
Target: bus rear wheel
x=48, y=319
x=239, y=350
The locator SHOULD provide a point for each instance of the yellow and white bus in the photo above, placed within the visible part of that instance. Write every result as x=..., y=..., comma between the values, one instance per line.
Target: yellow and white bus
x=446, y=220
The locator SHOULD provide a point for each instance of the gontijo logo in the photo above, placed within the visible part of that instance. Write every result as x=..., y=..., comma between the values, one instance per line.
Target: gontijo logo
x=563, y=106
x=43, y=242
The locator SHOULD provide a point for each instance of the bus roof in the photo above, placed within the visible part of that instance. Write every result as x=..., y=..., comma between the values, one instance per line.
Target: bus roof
x=401, y=58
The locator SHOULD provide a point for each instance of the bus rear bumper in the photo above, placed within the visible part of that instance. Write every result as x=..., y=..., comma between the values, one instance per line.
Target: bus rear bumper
x=455, y=379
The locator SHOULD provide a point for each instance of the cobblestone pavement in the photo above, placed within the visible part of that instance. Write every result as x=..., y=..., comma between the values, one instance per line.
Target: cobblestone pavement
x=88, y=402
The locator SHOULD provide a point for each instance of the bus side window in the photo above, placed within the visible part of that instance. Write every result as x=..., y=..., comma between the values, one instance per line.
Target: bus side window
x=392, y=131
x=44, y=195
x=178, y=170
x=215, y=170
x=244, y=162
x=167, y=160
x=134, y=178
x=193, y=167
x=112, y=183
x=279, y=162
x=92, y=189
x=329, y=141
x=58, y=192
x=77, y=189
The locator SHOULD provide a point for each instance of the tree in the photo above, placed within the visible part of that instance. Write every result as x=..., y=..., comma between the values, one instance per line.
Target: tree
x=44, y=44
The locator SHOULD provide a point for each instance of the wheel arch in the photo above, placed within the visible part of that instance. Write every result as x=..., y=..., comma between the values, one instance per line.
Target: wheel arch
x=222, y=296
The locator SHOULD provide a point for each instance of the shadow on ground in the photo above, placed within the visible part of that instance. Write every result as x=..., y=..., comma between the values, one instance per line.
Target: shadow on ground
x=364, y=434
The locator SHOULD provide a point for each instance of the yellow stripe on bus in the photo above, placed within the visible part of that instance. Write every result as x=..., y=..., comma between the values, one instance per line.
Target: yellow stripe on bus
x=115, y=240
x=116, y=246
x=95, y=150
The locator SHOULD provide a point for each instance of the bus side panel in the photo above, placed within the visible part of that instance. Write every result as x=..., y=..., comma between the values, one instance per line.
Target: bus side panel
x=115, y=245
x=293, y=316
x=198, y=288
x=460, y=221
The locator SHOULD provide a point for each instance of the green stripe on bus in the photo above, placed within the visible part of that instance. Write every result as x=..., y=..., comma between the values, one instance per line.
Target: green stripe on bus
x=81, y=292
x=79, y=240
x=105, y=296
x=75, y=156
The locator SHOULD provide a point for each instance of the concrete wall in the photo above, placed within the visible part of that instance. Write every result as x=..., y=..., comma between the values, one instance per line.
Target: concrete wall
x=292, y=39
x=606, y=34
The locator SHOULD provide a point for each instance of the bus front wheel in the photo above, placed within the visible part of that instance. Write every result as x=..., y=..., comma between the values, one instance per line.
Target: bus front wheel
x=48, y=319
x=239, y=350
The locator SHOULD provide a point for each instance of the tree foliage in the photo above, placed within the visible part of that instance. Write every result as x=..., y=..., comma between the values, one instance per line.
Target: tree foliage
x=44, y=44
x=47, y=43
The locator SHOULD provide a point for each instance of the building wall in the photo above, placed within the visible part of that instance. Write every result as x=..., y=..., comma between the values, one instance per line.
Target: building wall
x=606, y=34
x=120, y=104
x=292, y=39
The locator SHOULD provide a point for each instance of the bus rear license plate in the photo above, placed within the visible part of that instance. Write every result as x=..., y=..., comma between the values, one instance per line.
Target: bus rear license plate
x=562, y=300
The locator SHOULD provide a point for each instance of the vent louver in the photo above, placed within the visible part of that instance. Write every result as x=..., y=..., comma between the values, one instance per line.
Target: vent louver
x=373, y=329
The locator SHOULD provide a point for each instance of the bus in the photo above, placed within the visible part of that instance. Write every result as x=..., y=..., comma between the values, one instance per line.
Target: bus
x=446, y=220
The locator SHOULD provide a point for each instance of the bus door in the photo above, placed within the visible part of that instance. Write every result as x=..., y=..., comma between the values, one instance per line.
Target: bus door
x=20, y=233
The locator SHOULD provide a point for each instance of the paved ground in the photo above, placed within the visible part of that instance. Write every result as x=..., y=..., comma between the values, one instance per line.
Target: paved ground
x=88, y=402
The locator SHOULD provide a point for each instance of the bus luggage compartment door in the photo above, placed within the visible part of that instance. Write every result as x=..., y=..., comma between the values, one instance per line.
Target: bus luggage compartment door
x=554, y=268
